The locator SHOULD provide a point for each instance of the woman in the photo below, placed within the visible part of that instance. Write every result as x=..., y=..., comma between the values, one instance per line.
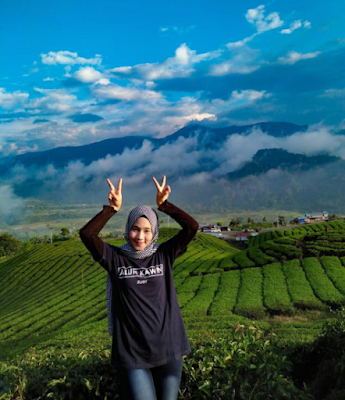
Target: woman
x=149, y=338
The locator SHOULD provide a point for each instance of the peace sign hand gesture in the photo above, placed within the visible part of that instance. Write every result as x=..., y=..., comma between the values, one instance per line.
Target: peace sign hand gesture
x=162, y=190
x=115, y=195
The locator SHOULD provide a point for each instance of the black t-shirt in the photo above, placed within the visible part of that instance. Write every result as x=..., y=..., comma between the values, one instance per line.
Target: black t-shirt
x=148, y=326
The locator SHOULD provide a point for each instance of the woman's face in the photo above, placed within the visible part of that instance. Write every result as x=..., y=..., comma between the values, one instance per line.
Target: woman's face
x=140, y=235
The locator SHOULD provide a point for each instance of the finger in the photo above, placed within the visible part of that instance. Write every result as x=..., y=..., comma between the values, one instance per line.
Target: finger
x=119, y=185
x=156, y=183
x=110, y=184
x=164, y=181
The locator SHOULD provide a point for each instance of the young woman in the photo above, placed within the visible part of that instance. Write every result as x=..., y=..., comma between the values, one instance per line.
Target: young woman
x=149, y=337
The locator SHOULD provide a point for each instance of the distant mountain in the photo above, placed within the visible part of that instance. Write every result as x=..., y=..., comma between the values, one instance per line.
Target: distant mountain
x=197, y=168
x=267, y=159
x=210, y=137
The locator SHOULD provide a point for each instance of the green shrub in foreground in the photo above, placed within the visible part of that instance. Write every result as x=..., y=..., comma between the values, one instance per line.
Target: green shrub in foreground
x=244, y=365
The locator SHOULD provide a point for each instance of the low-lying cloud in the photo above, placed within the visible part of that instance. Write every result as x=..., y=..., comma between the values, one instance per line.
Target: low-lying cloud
x=197, y=170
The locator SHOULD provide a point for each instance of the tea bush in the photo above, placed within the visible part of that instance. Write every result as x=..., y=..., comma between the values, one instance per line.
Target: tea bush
x=245, y=364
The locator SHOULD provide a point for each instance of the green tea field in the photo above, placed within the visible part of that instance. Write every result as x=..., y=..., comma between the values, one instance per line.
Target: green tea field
x=286, y=279
x=52, y=302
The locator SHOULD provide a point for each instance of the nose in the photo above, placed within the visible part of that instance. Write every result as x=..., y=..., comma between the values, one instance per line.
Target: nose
x=140, y=234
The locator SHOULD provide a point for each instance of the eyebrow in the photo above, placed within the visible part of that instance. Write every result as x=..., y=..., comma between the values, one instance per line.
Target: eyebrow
x=138, y=227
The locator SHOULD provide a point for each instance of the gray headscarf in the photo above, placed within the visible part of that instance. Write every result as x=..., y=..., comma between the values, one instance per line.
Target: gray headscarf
x=137, y=212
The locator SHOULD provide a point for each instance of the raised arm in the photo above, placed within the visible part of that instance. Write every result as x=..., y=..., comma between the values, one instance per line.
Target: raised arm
x=89, y=233
x=189, y=224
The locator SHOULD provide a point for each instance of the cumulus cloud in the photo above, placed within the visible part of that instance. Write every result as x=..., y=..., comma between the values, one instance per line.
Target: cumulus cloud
x=179, y=66
x=87, y=75
x=293, y=57
x=294, y=26
x=117, y=92
x=242, y=60
x=250, y=95
x=53, y=99
x=65, y=57
x=11, y=99
x=256, y=16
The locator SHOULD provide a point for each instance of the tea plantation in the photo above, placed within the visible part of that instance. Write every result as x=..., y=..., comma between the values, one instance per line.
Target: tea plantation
x=53, y=296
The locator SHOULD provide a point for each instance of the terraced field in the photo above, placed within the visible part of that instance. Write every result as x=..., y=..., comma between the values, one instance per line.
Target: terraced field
x=57, y=289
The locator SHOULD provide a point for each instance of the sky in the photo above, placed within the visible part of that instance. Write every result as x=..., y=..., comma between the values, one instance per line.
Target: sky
x=77, y=72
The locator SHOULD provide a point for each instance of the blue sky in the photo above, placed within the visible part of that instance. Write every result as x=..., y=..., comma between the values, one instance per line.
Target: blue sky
x=76, y=72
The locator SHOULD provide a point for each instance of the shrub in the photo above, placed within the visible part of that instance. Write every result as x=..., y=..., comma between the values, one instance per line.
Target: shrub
x=244, y=365
x=322, y=365
x=9, y=245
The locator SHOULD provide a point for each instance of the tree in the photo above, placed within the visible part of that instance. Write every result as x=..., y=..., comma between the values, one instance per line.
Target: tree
x=281, y=219
x=64, y=232
x=9, y=245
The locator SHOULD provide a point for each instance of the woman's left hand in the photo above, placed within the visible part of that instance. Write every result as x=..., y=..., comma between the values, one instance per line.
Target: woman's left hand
x=163, y=191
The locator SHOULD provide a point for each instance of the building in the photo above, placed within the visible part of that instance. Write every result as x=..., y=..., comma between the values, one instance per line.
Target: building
x=309, y=218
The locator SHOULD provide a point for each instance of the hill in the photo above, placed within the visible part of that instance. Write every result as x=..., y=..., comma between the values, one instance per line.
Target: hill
x=56, y=291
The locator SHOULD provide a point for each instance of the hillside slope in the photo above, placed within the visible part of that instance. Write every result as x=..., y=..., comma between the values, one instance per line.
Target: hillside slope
x=58, y=292
x=59, y=288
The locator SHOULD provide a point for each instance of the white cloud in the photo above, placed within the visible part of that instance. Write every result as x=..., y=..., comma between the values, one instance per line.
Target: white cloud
x=256, y=17
x=48, y=79
x=179, y=30
x=117, y=92
x=228, y=67
x=53, y=99
x=242, y=61
x=9, y=203
x=87, y=75
x=240, y=43
x=68, y=58
x=103, y=81
x=295, y=25
x=179, y=66
x=334, y=93
x=293, y=56
x=9, y=100
x=251, y=95
x=122, y=70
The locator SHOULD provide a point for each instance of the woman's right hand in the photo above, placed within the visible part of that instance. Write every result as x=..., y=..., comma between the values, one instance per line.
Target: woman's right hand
x=115, y=195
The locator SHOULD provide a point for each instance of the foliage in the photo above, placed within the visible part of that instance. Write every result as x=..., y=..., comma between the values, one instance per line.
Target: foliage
x=250, y=302
x=59, y=376
x=298, y=286
x=321, y=284
x=322, y=365
x=9, y=245
x=243, y=365
x=276, y=296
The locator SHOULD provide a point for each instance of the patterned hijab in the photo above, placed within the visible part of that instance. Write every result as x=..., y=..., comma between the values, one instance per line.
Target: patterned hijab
x=151, y=215
x=137, y=212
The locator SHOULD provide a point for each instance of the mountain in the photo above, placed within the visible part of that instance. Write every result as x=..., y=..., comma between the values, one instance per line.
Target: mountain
x=210, y=137
x=197, y=160
x=267, y=159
